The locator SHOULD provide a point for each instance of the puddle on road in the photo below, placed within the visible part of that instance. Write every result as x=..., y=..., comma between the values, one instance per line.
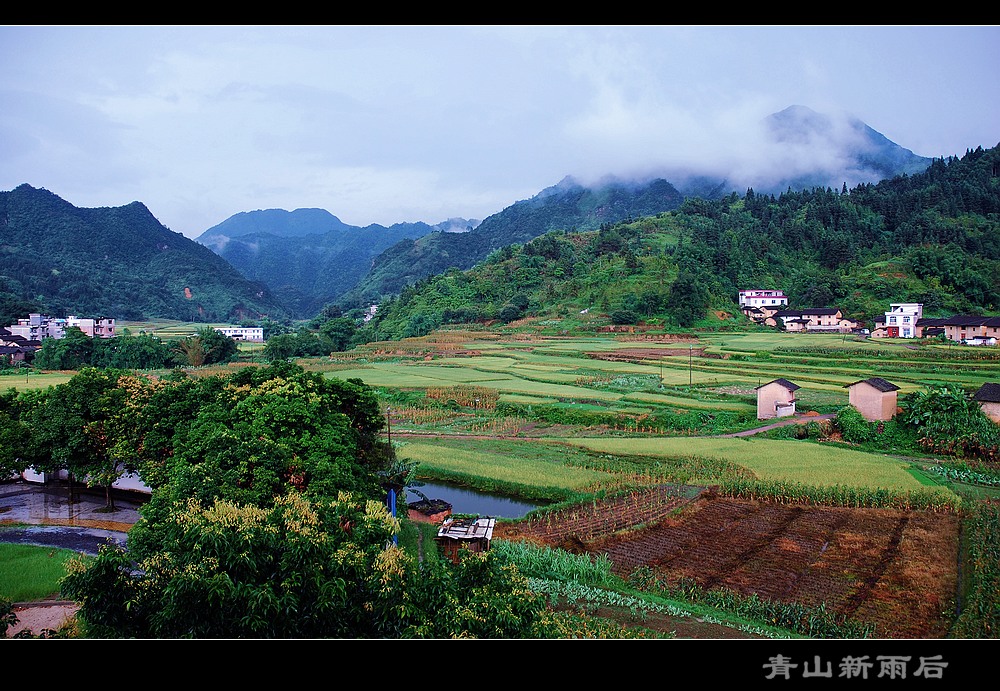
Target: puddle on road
x=47, y=508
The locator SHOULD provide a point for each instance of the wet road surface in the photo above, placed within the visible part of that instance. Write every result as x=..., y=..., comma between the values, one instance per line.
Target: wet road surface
x=44, y=516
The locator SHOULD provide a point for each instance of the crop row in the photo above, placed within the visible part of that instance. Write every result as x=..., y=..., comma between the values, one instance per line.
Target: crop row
x=600, y=518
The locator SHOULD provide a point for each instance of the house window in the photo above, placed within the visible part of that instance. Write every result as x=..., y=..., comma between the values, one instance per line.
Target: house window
x=906, y=320
x=892, y=320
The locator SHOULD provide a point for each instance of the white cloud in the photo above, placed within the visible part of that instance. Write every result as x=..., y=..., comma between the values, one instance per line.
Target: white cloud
x=406, y=123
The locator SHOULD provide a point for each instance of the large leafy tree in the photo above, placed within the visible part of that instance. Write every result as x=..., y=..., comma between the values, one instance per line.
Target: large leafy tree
x=86, y=426
x=297, y=569
x=73, y=351
x=206, y=347
x=256, y=435
x=268, y=520
x=689, y=298
x=14, y=432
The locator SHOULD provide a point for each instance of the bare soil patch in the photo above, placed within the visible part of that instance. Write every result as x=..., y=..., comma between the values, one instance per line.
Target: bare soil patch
x=897, y=570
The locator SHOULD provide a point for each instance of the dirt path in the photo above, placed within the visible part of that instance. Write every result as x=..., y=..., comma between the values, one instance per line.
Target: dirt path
x=797, y=419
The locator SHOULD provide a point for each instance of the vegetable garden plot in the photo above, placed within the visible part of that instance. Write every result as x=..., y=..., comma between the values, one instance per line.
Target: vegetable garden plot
x=597, y=520
x=891, y=568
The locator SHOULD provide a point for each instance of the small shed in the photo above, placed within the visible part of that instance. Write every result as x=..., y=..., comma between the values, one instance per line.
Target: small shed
x=456, y=534
x=874, y=398
x=776, y=399
x=427, y=510
x=988, y=397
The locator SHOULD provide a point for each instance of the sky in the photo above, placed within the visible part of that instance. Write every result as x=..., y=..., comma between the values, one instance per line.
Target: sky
x=392, y=124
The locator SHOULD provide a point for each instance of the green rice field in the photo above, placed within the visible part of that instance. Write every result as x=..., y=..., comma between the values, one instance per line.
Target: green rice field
x=774, y=459
x=568, y=372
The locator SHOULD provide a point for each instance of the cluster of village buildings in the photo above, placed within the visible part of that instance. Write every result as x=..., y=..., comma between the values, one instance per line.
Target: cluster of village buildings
x=901, y=320
x=875, y=398
x=19, y=341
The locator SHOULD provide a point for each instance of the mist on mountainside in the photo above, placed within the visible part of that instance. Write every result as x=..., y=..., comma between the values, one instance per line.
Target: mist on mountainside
x=795, y=148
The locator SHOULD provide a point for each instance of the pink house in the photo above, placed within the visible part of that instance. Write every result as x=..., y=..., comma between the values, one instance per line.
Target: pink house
x=874, y=398
x=776, y=399
x=988, y=397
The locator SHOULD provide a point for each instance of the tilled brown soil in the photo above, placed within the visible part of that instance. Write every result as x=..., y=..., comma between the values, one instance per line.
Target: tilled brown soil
x=895, y=569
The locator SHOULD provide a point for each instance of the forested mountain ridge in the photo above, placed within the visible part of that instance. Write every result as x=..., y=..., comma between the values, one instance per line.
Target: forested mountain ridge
x=803, y=149
x=308, y=257
x=568, y=205
x=113, y=262
x=932, y=238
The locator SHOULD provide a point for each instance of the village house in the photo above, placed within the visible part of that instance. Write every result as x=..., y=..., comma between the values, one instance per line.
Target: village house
x=874, y=398
x=930, y=327
x=812, y=319
x=250, y=334
x=988, y=397
x=971, y=329
x=37, y=327
x=762, y=298
x=776, y=399
x=760, y=315
x=900, y=321
x=17, y=348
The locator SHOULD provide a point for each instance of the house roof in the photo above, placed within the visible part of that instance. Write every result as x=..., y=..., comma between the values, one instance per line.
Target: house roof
x=816, y=311
x=988, y=393
x=467, y=529
x=766, y=292
x=877, y=383
x=783, y=382
x=970, y=320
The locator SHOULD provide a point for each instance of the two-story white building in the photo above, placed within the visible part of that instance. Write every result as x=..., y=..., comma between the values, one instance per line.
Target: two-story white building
x=900, y=321
x=762, y=298
x=252, y=334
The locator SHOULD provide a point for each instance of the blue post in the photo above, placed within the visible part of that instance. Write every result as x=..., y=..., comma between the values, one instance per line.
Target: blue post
x=392, y=510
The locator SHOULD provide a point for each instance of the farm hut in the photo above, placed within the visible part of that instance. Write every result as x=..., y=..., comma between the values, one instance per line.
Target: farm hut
x=874, y=398
x=456, y=534
x=988, y=397
x=776, y=399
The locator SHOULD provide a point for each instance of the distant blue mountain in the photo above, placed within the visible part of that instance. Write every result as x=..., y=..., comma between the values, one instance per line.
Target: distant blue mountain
x=308, y=257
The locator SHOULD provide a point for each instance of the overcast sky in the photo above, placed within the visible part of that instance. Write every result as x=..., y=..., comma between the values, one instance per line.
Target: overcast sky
x=385, y=125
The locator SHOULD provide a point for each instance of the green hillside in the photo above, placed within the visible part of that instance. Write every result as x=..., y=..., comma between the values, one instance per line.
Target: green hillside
x=566, y=206
x=115, y=262
x=932, y=238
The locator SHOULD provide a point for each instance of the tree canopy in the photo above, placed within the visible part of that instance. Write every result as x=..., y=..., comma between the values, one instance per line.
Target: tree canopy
x=267, y=516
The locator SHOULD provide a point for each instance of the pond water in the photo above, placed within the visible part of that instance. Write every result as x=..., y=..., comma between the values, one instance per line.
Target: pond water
x=464, y=500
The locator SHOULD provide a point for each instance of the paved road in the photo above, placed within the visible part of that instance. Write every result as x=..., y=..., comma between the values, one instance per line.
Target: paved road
x=33, y=514
x=87, y=540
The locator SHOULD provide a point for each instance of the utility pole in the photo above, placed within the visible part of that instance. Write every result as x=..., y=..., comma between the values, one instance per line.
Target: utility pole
x=690, y=353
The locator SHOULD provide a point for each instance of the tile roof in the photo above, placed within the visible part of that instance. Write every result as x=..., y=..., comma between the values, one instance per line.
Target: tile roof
x=878, y=383
x=988, y=393
x=783, y=382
